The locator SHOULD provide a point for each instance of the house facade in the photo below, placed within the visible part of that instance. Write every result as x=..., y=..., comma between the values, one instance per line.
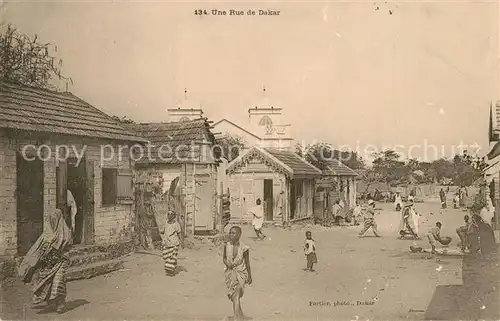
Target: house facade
x=283, y=181
x=338, y=182
x=51, y=142
x=182, y=150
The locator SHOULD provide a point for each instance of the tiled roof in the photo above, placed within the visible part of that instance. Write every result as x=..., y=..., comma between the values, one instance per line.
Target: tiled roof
x=176, y=142
x=284, y=162
x=32, y=109
x=336, y=168
x=298, y=165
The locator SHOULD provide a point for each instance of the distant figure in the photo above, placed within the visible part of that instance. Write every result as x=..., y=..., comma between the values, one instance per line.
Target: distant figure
x=356, y=214
x=171, y=242
x=398, y=202
x=258, y=219
x=411, y=197
x=488, y=213
x=236, y=259
x=310, y=251
x=462, y=195
x=462, y=232
x=408, y=224
x=434, y=235
x=481, y=237
x=336, y=210
x=369, y=220
x=456, y=200
x=442, y=196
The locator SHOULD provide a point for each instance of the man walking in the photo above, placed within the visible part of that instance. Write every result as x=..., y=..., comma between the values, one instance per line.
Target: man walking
x=442, y=196
x=369, y=221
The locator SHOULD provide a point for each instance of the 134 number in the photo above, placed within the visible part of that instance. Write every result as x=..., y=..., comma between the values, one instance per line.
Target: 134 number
x=200, y=12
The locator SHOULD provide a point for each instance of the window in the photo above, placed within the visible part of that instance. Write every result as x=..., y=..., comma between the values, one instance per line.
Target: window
x=117, y=186
x=109, y=186
x=265, y=121
x=299, y=188
x=184, y=119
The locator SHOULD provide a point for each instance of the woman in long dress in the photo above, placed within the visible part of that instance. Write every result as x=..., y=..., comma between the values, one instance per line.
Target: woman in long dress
x=407, y=224
x=49, y=257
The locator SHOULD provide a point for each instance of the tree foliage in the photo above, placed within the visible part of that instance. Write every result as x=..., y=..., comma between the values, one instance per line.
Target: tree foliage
x=123, y=120
x=319, y=154
x=26, y=61
x=387, y=167
x=229, y=147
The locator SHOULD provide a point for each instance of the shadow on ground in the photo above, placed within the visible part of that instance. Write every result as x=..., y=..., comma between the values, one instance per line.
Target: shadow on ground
x=70, y=305
x=476, y=298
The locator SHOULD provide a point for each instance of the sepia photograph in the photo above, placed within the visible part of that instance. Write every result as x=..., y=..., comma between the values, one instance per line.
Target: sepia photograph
x=250, y=160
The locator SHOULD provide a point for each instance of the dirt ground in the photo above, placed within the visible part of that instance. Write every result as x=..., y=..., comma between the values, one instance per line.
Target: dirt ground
x=389, y=282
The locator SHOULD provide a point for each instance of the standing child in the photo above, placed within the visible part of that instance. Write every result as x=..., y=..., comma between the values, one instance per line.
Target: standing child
x=310, y=251
x=258, y=219
x=237, y=272
x=171, y=242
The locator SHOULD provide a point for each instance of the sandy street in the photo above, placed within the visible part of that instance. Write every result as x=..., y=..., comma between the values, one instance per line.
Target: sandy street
x=355, y=279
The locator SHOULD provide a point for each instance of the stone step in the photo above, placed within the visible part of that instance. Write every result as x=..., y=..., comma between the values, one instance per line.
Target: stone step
x=78, y=260
x=91, y=270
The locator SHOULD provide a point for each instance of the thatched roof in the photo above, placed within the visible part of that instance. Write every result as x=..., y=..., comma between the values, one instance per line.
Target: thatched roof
x=39, y=110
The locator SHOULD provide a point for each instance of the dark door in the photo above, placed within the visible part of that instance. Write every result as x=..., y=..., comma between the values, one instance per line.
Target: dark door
x=88, y=202
x=268, y=199
x=29, y=202
x=293, y=199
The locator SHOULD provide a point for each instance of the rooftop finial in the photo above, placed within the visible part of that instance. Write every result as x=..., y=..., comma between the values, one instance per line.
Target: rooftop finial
x=185, y=94
x=264, y=90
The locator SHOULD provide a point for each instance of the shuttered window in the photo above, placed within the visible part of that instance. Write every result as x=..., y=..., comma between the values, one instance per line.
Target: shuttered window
x=117, y=187
x=125, y=187
x=109, y=186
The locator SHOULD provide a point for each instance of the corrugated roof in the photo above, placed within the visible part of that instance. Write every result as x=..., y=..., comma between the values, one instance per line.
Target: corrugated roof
x=298, y=165
x=176, y=142
x=33, y=109
x=336, y=168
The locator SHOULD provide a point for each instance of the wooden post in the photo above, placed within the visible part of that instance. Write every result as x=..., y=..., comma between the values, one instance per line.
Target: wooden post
x=194, y=199
x=221, y=211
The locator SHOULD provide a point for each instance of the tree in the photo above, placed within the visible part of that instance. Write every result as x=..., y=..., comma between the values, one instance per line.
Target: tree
x=320, y=154
x=123, y=120
x=27, y=61
x=389, y=168
x=229, y=147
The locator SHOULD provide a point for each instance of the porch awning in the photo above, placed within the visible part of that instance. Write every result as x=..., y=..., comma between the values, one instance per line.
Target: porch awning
x=285, y=162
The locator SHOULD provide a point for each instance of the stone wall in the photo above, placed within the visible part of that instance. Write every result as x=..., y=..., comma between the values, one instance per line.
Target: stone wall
x=111, y=223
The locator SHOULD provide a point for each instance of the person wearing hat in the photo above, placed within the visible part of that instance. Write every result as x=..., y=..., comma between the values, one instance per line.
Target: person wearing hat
x=171, y=241
x=369, y=221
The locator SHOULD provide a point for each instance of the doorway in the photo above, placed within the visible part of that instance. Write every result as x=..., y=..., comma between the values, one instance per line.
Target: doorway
x=204, y=203
x=268, y=199
x=75, y=184
x=29, y=202
x=77, y=177
x=293, y=199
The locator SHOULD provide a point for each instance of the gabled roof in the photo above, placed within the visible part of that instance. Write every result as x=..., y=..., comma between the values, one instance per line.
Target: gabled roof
x=286, y=162
x=176, y=142
x=237, y=126
x=32, y=109
x=336, y=168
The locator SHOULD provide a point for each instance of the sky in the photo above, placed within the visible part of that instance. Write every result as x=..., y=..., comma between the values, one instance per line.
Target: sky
x=348, y=73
